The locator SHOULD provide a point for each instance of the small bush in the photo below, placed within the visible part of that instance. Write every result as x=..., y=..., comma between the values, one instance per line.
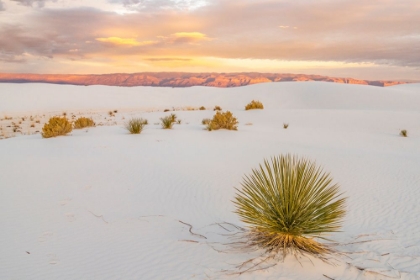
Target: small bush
x=83, y=122
x=178, y=121
x=173, y=117
x=217, y=108
x=167, y=122
x=254, y=105
x=135, y=125
x=145, y=122
x=285, y=125
x=166, y=110
x=404, y=133
x=206, y=121
x=223, y=121
x=287, y=203
x=56, y=126
x=202, y=108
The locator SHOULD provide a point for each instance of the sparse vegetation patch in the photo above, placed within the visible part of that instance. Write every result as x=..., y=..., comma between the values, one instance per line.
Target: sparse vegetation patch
x=83, y=122
x=56, y=126
x=135, y=125
x=223, y=121
x=167, y=122
x=254, y=105
x=206, y=121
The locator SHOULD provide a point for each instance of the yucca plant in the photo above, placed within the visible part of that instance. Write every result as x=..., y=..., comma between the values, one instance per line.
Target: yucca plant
x=56, y=126
x=83, y=122
x=135, y=125
x=287, y=203
x=254, y=105
x=167, y=122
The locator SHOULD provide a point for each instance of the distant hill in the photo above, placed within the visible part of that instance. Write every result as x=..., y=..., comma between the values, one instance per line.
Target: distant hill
x=174, y=79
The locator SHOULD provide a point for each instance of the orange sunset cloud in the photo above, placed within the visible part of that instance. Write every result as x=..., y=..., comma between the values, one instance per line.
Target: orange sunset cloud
x=368, y=40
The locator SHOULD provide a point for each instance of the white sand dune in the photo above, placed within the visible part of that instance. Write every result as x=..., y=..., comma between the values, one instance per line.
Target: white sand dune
x=104, y=204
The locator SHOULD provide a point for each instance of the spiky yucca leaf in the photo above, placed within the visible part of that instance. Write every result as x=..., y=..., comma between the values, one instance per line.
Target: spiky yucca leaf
x=287, y=203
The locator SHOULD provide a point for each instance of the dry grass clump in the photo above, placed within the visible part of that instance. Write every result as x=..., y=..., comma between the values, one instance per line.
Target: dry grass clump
x=56, y=126
x=173, y=117
x=206, y=121
x=404, y=133
x=254, y=105
x=285, y=125
x=217, y=108
x=167, y=122
x=135, y=125
x=83, y=122
x=223, y=121
x=287, y=203
x=202, y=108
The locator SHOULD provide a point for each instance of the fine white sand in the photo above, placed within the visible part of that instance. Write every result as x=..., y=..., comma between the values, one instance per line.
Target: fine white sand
x=104, y=204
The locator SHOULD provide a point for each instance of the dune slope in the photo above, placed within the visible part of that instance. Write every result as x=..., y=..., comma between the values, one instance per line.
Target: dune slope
x=103, y=204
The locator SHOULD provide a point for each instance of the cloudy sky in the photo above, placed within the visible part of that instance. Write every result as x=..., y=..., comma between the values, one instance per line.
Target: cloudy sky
x=345, y=38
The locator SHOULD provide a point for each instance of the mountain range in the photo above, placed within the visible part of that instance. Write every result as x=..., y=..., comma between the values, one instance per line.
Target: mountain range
x=175, y=79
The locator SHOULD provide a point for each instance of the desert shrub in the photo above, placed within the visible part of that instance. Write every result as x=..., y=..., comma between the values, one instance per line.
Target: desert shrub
x=83, y=122
x=179, y=121
x=145, y=122
x=166, y=110
x=285, y=125
x=56, y=126
x=223, y=120
x=217, y=108
x=173, y=117
x=135, y=125
x=287, y=203
x=254, y=105
x=404, y=133
x=167, y=122
x=206, y=121
x=202, y=108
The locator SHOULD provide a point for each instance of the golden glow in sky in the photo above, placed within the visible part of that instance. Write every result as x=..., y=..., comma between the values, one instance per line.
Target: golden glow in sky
x=360, y=39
